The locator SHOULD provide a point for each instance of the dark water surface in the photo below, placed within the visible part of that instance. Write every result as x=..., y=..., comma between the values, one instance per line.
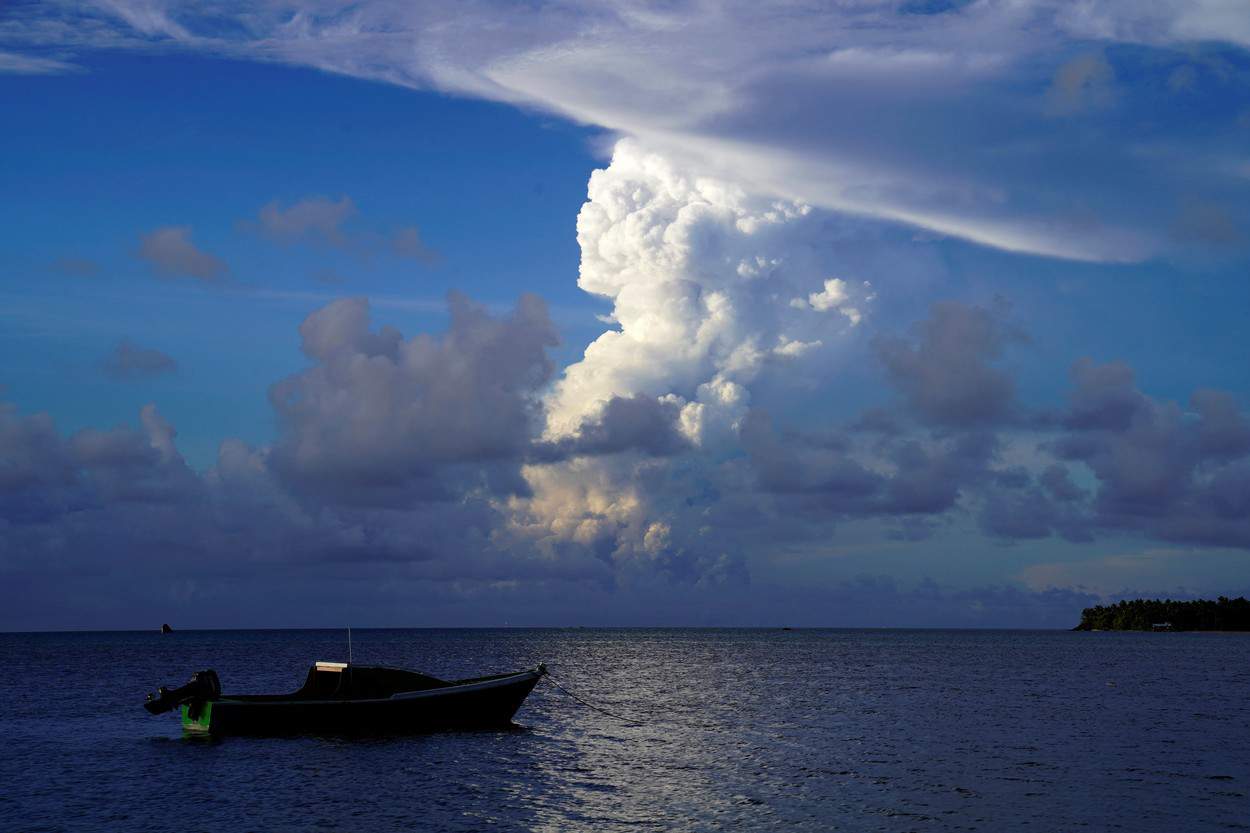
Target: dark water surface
x=750, y=730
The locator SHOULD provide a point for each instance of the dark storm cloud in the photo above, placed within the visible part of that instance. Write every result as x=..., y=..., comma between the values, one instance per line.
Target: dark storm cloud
x=35, y=466
x=793, y=464
x=910, y=475
x=877, y=420
x=394, y=455
x=106, y=516
x=1171, y=474
x=1223, y=428
x=399, y=459
x=930, y=476
x=946, y=371
x=1025, y=511
x=130, y=361
x=1152, y=468
x=392, y=451
x=887, y=465
x=48, y=479
x=124, y=465
x=1057, y=481
x=1102, y=397
x=1113, y=460
x=378, y=416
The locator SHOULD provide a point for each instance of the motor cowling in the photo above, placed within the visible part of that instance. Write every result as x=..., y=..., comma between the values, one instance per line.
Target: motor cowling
x=202, y=686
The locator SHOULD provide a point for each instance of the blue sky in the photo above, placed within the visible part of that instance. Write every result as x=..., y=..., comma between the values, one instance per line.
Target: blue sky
x=137, y=142
x=621, y=313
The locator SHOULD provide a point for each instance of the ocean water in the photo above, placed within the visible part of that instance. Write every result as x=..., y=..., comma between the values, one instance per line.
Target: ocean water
x=751, y=730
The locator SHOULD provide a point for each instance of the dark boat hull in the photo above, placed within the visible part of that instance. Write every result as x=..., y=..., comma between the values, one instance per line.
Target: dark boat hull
x=470, y=704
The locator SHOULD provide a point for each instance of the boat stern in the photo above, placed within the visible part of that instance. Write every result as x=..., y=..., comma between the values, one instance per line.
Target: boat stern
x=197, y=717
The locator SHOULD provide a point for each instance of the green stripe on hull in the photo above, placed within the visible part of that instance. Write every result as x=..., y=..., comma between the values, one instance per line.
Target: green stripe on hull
x=201, y=722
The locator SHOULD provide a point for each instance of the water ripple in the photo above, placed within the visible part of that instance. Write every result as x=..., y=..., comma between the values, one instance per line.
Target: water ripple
x=755, y=730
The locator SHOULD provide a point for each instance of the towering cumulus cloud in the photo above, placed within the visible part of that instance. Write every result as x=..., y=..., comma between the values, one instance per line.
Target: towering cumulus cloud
x=703, y=277
x=710, y=287
x=750, y=405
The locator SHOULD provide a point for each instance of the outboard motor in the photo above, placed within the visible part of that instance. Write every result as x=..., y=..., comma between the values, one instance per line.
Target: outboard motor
x=203, y=685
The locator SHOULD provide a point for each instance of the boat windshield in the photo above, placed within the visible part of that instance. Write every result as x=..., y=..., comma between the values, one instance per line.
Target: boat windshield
x=340, y=681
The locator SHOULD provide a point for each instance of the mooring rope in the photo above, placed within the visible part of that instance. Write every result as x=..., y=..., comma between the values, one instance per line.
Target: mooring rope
x=627, y=720
x=589, y=705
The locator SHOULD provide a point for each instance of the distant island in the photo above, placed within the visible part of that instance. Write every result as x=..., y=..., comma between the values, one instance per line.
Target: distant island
x=1223, y=614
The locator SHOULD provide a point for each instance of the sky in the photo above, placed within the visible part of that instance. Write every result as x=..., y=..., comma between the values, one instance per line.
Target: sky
x=879, y=314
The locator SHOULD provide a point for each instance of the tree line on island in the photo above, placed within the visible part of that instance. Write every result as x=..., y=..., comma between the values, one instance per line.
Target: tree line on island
x=1223, y=614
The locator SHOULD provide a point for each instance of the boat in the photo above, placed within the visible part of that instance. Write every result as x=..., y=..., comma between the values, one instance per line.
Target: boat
x=340, y=697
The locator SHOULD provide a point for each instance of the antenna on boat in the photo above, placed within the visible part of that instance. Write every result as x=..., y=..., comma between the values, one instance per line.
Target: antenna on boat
x=349, y=645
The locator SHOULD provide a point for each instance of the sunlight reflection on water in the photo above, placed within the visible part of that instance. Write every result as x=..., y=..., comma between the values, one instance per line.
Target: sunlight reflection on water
x=758, y=730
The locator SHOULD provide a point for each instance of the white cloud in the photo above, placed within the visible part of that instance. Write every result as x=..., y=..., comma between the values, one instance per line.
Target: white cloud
x=18, y=64
x=794, y=347
x=833, y=296
x=933, y=120
x=837, y=296
x=698, y=271
x=710, y=232
x=1159, y=22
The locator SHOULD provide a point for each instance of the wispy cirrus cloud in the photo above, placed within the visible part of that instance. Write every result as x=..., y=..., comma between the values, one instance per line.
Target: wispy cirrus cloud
x=821, y=105
x=16, y=63
x=733, y=232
